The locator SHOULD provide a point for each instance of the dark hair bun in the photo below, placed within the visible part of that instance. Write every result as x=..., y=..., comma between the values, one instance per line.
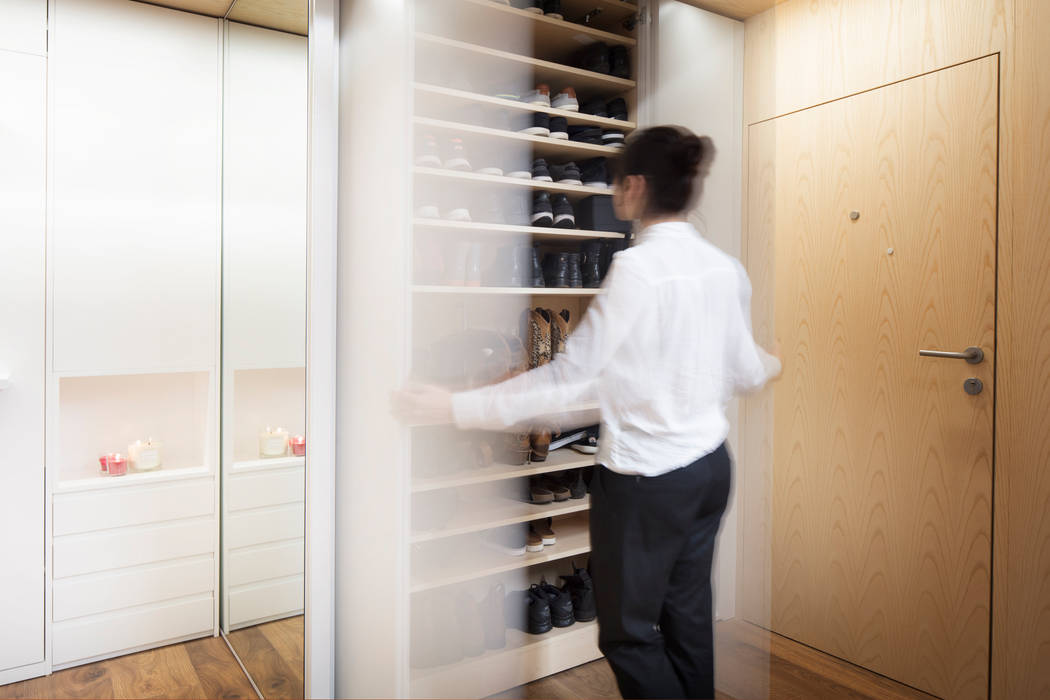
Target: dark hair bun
x=673, y=160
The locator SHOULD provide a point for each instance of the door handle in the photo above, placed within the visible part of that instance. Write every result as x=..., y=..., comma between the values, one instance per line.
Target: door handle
x=973, y=355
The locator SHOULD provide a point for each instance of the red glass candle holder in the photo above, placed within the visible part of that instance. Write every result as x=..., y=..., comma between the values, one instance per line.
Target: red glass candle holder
x=298, y=444
x=114, y=464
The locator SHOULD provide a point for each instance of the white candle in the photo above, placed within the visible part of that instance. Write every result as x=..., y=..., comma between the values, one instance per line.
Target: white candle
x=144, y=456
x=273, y=442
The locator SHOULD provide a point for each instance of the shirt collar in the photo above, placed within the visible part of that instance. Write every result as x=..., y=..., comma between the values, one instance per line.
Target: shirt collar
x=675, y=229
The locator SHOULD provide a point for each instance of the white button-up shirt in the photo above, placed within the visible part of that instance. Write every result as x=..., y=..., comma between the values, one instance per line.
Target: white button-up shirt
x=663, y=349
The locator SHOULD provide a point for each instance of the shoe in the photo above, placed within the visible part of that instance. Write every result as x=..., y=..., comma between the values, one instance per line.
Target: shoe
x=612, y=137
x=585, y=134
x=540, y=171
x=541, y=445
x=564, y=217
x=534, y=543
x=505, y=92
x=567, y=100
x=456, y=155
x=560, y=492
x=514, y=170
x=491, y=170
x=580, y=588
x=559, y=128
x=592, y=271
x=595, y=58
x=587, y=445
x=595, y=108
x=575, y=271
x=517, y=448
x=556, y=270
x=529, y=5
x=617, y=109
x=539, y=616
x=595, y=173
x=471, y=626
x=573, y=480
x=538, y=124
x=428, y=210
x=536, y=276
x=559, y=331
x=542, y=212
x=539, y=493
x=537, y=337
x=507, y=271
x=506, y=540
x=457, y=212
x=543, y=529
x=552, y=8
x=619, y=63
x=560, y=604
x=427, y=153
x=540, y=96
x=493, y=614
x=472, y=278
x=568, y=174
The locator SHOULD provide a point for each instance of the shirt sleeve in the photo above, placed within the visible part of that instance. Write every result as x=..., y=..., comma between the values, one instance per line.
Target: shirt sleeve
x=752, y=366
x=548, y=391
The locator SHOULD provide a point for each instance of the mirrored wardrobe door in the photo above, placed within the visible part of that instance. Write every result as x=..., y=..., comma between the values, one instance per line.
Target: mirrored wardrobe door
x=264, y=342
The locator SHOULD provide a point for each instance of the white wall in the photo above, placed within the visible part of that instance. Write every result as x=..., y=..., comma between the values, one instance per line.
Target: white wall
x=699, y=85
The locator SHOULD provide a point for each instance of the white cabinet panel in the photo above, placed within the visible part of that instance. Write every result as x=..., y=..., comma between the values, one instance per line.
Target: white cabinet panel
x=113, y=549
x=136, y=187
x=264, y=198
x=126, y=588
x=23, y=89
x=269, y=488
x=268, y=561
x=105, y=635
x=101, y=510
x=264, y=525
x=264, y=601
x=24, y=26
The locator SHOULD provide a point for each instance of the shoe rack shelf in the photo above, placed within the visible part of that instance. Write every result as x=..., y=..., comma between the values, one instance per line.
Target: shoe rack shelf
x=542, y=146
x=507, y=291
x=558, y=460
x=573, y=192
x=434, y=95
x=538, y=233
x=472, y=677
x=557, y=74
x=478, y=562
x=500, y=512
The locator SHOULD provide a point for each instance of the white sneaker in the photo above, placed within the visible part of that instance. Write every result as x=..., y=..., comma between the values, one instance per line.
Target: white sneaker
x=566, y=99
x=540, y=96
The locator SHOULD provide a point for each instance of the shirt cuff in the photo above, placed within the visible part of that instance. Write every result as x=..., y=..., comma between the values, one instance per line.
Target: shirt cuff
x=770, y=364
x=468, y=408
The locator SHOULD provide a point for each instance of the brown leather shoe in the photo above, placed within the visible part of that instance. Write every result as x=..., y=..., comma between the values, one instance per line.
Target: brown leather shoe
x=541, y=445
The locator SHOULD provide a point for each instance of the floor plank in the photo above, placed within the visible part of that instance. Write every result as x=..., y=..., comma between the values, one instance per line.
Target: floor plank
x=275, y=677
x=219, y=673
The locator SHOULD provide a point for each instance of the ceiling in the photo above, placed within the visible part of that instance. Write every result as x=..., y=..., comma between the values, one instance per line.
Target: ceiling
x=283, y=15
x=737, y=9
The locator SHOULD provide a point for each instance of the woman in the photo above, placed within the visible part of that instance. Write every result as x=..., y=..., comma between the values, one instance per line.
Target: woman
x=664, y=347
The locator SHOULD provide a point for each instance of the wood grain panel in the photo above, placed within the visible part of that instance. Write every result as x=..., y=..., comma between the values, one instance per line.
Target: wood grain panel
x=282, y=15
x=211, y=8
x=274, y=674
x=882, y=488
x=220, y=675
x=737, y=9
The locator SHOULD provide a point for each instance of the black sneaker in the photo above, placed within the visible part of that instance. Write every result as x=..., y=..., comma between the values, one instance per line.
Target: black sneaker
x=595, y=108
x=619, y=63
x=530, y=5
x=617, y=109
x=556, y=270
x=540, y=171
x=612, y=137
x=427, y=153
x=568, y=174
x=542, y=212
x=564, y=216
x=595, y=58
x=588, y=444
x=552, y=8
x=594, y=173
x=540, y=620
x=559, y=128
x=536, y=124
x=573, y=480
x=585, y=134
x=559, y=603
x=575, y=272
x=580, y=588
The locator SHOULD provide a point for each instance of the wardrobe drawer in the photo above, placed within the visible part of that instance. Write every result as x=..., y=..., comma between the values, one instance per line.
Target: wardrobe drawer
x=262, y=601
x=111, y=633
x=269, y=488
x=246, y=528
x=112, y=508
x=264, y=562
x=75, y=555
x=108, y=591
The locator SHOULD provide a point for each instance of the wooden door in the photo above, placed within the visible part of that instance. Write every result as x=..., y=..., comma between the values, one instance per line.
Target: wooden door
x=884, y=239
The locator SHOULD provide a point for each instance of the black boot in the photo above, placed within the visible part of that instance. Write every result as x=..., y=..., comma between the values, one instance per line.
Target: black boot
x=556, y=269
x=592, y=271
x=536, y=276
x=575, y=272
x=581, y=590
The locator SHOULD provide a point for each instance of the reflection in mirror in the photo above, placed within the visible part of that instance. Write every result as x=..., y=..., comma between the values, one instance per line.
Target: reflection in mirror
x=264, y=341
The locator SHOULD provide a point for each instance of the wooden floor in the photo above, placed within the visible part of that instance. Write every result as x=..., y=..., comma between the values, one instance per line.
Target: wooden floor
x=273, y=654
x=751, y=663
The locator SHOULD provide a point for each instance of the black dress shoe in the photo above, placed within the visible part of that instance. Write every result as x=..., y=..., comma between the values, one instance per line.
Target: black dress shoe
x=595, y=57
x=619, y=63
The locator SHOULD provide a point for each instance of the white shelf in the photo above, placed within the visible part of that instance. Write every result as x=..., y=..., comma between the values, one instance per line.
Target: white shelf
x=506, y=291
x=542, y=146
x=431, y=96
x=268, y=464
x=574, y=192
x=500, y=512
x=559, y=460
x=537, y=232
x=132, y=478
x=478, y=561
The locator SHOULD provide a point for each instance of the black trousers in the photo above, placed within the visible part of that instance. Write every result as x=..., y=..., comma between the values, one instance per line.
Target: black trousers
x=652, y=544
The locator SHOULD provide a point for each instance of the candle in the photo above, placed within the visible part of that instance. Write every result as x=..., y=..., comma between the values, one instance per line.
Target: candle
x=144, y=456
x=114, y=464
x=298, y=444
x=273, y=443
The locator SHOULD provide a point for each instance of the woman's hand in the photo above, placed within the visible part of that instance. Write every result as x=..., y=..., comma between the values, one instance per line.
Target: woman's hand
x=423, y=404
